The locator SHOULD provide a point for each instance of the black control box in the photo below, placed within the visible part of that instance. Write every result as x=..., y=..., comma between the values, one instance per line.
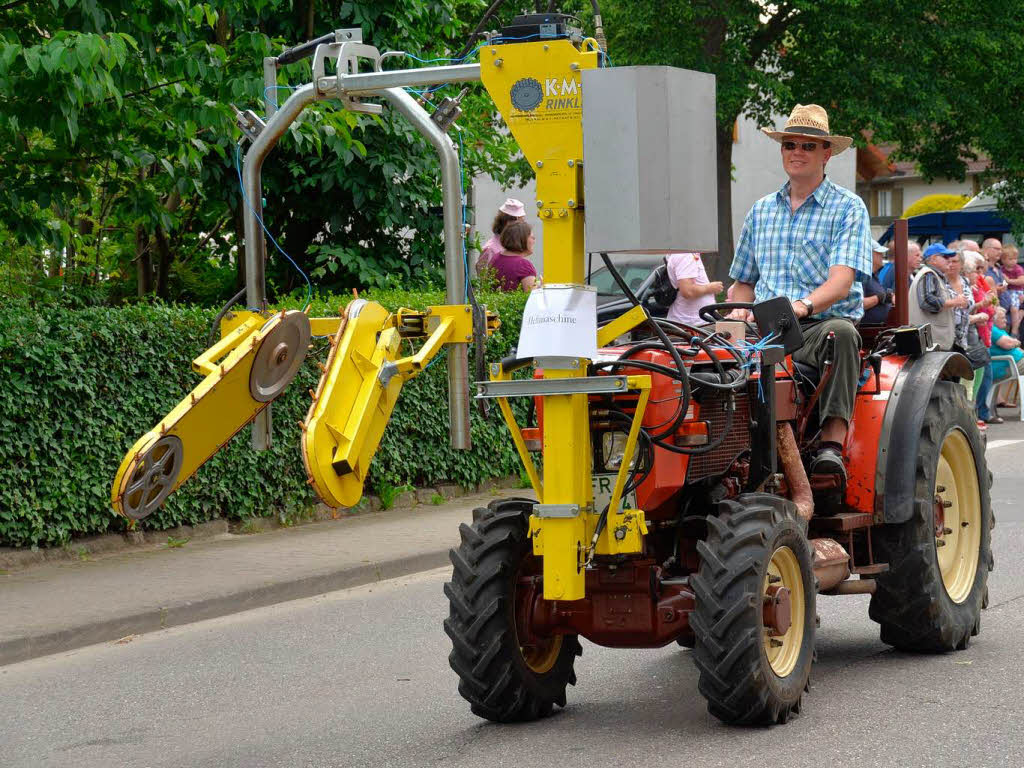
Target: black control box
x=534, y=27
x=913, y=340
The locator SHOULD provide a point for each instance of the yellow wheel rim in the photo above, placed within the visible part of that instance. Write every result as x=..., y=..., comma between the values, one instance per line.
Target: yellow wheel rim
x=542, y=657
x=539, y=653
x=957, y=516
x=784, y=651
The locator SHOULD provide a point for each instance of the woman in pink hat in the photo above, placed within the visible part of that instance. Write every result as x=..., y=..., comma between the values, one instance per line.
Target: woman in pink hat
x=511, y=210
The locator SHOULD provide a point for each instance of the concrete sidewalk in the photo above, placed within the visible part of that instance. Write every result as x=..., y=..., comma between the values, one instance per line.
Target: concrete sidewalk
x=61, y=606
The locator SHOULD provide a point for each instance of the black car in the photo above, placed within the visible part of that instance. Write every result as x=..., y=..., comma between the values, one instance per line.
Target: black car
x=646, y=277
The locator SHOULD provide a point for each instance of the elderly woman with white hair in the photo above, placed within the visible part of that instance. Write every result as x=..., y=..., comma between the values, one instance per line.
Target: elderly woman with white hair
x=966, y=316
x=984, y=297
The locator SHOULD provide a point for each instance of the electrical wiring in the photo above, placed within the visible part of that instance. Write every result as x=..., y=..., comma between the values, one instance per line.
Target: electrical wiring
x=727, y=386
x=491, y=10
x=684, y=395
x=269, y=88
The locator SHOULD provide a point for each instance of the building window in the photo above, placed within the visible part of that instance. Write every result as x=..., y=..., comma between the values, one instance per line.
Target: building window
x=884, y=202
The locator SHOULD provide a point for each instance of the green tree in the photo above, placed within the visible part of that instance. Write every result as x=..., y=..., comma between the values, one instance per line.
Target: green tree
x=917, y=73
x=118, y=141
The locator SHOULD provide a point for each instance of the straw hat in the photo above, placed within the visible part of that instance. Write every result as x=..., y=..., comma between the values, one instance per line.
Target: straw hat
x=811, y=121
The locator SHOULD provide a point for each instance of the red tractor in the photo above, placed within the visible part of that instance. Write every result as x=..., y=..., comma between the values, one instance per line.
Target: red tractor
x=739, y=542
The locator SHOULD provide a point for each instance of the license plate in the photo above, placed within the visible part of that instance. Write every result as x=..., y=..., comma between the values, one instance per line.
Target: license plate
x=603, y=485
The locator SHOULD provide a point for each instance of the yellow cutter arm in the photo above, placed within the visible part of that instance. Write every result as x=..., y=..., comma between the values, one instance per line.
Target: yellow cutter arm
x=255, y=362
x=360, y=385
x=243, y=373
x=357, y=394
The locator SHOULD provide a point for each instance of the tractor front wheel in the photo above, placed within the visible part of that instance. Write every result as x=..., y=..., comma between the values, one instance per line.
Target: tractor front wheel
x=931, y=597
x=506, y=673
x=755, y=613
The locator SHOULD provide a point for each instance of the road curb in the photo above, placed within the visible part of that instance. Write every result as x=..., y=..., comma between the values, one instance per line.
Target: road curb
x=25, y=648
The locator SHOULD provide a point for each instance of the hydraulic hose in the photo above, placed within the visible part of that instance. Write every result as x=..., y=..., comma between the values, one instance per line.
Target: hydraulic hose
x=632, y=482
x=684, y=396
x=220, y=316
x=493, y=9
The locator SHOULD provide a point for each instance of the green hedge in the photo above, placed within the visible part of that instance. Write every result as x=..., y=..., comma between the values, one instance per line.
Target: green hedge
x=79, y=386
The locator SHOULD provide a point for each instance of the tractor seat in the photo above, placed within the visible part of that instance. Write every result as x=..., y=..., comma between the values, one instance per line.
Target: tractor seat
x=807, y=376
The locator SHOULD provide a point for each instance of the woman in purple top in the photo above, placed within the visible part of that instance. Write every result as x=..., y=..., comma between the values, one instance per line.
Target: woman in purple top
x=510, y=211
x=512, y=266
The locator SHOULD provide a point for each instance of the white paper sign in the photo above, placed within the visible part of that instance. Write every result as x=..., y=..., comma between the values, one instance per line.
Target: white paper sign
x=559, y=321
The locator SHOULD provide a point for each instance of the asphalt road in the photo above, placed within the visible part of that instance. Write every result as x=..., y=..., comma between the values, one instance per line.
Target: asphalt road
x=360, y=678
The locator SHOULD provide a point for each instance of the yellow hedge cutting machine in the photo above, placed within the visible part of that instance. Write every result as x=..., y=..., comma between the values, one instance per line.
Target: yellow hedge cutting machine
x=537, y=87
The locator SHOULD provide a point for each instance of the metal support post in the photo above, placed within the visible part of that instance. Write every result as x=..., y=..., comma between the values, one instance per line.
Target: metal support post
x=255, y=244
x=269, y=85
x=454, y=264
x=263, y=424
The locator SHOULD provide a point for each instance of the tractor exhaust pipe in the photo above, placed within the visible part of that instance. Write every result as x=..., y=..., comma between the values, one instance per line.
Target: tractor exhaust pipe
x=793, y=470
x=855, y=587
x=831, y=563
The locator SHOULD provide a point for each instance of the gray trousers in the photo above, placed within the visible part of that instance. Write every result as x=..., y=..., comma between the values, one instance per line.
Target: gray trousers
x=838, y=395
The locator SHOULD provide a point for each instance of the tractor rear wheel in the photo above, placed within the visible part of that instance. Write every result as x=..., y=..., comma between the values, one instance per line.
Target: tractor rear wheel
x=506, y=673
x=931, y=597
x=754, y=659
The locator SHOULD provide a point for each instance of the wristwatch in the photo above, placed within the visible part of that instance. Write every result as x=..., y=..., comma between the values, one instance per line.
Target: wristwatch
x=809, y=304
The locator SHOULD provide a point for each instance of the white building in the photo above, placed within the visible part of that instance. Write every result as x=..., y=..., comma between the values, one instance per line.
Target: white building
x=889, y=188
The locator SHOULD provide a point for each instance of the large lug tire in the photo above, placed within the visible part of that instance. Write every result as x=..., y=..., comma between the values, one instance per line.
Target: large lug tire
x=751, y=675
x=930, y=599
x=504, y=674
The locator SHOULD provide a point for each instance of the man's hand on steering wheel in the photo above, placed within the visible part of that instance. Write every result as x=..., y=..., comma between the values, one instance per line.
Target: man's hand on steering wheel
x=739, y=310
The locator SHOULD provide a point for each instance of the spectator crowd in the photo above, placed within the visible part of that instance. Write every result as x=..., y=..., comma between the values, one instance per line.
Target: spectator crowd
x=971, y=296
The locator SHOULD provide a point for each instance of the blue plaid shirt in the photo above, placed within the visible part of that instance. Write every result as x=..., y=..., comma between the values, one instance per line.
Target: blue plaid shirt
x=789, y=254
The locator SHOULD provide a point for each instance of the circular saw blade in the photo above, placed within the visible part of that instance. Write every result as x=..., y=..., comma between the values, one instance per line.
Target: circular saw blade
x=279, y=356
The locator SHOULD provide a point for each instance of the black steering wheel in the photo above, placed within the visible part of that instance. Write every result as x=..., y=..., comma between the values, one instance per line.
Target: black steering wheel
x=711, y=312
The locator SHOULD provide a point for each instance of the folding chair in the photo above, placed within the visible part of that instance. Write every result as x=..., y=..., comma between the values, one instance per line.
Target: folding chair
x=1013, y=376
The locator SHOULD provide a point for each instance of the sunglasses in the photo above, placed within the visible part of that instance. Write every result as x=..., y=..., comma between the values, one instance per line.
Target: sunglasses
x=806, y=146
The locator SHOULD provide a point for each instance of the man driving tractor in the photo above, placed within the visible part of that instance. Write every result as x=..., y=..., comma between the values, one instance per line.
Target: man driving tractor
x=811, y=242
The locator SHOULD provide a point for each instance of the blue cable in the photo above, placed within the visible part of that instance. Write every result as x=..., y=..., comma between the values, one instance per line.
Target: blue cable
x=751, y=351
x=493, y=41
x=266, y=94
x=241, y=187
x=462, y=232
x=414, y=57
